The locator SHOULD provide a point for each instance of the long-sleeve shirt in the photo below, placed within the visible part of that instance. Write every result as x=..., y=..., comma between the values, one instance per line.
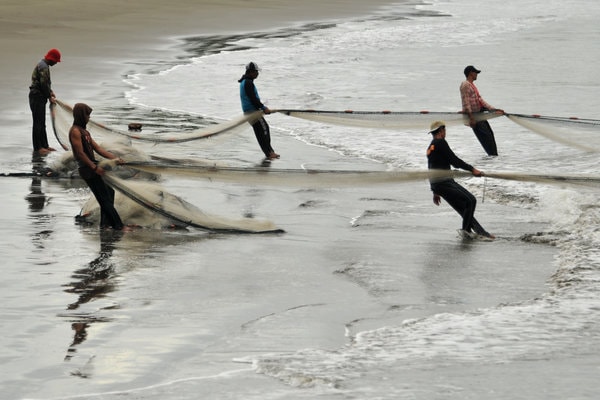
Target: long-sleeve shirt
x=249, y=96
x=471, y=99
x=41, y=85
x=441, y=156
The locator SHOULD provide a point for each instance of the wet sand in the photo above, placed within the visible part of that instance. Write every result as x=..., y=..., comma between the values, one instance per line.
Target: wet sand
x=332, y=236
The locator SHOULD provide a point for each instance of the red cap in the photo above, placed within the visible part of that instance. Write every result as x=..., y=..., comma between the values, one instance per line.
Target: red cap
x=53, y=55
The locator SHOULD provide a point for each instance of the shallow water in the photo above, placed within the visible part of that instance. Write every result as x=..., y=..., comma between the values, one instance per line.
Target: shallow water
x=369, y=293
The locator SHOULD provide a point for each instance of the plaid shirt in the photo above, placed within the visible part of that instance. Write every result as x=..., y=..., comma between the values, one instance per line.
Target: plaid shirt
x=471, y=99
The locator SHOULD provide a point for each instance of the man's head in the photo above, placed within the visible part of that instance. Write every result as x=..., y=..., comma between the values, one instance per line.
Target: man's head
x=252, y=69
x=471, y=69
x=81, y=114
x=437, y=127
x=252, y=66
x=53, y=56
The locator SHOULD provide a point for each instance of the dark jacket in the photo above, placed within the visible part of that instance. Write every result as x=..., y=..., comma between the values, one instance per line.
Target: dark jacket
x=441, y=156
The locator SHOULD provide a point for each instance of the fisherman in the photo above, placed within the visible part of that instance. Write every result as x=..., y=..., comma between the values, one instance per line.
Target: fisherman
x=251, y=103
x=472, y=102
x=83, y=147
x=40, y=91
x=440, y=157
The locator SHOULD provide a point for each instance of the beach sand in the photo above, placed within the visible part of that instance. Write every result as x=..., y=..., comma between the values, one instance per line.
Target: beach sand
x=96, y=37
x=100, y=40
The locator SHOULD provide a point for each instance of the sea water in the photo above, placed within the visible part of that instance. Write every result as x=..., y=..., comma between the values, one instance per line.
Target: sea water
x=535, y=57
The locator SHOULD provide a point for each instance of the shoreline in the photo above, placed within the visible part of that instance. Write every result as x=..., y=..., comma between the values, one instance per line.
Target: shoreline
x=99, y=43
x=107, y=41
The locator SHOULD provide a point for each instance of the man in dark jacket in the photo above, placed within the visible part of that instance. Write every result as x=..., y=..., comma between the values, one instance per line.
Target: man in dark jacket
x=40, y=91
x=440, y=156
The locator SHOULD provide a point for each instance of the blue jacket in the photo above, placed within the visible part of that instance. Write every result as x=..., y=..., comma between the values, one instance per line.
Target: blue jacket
x=249, y=96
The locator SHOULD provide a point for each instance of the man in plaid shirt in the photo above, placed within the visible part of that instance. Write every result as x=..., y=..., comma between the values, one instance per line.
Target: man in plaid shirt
x=472, y=102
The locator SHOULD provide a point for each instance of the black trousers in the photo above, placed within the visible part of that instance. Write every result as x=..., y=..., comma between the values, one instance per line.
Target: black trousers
x=105, y=195
x=462, y=201
x=37, y=104
x=263, y=136
x=485, y=135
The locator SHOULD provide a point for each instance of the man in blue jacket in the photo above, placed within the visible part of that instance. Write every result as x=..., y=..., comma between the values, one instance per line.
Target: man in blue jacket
x=251, y=103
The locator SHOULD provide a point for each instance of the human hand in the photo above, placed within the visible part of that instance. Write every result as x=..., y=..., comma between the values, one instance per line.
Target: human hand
x=477, y=172
x=436, y=199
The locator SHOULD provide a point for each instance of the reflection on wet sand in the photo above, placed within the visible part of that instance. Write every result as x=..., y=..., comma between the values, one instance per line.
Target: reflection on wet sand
x=36, y=197
x=37, y=201
x=92, y=282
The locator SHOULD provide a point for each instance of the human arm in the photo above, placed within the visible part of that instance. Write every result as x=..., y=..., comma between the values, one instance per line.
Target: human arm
x=75, y=138
x=457, y=162
x=106, y=154
x=490, y=107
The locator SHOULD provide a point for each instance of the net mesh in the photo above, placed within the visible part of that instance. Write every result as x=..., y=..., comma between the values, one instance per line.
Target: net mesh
x=137, y=180
x=153, y=196
x=62, y=119
x=420, y=120
x=578, y=133
x=336, y=178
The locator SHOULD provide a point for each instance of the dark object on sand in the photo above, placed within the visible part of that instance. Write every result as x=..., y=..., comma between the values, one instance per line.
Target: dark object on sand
x=135, y=126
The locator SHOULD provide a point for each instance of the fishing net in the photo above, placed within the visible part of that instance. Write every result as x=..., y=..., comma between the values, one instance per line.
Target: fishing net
x=136, y=188
x=62, y=119
x=574, y=132
x=420, y=120
x=285, y=177
x=336, y=178
x=66, y=166
x=145, y=201
x=153, y=196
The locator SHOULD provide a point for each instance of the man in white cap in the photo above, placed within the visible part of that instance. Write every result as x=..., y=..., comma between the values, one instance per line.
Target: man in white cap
x=472, y=102
x=440, y=156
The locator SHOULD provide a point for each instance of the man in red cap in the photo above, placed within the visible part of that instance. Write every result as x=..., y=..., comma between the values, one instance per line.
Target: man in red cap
x=40, y=91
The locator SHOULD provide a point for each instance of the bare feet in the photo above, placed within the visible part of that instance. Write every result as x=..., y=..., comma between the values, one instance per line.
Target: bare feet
x=43, y=151
x=273, y=155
